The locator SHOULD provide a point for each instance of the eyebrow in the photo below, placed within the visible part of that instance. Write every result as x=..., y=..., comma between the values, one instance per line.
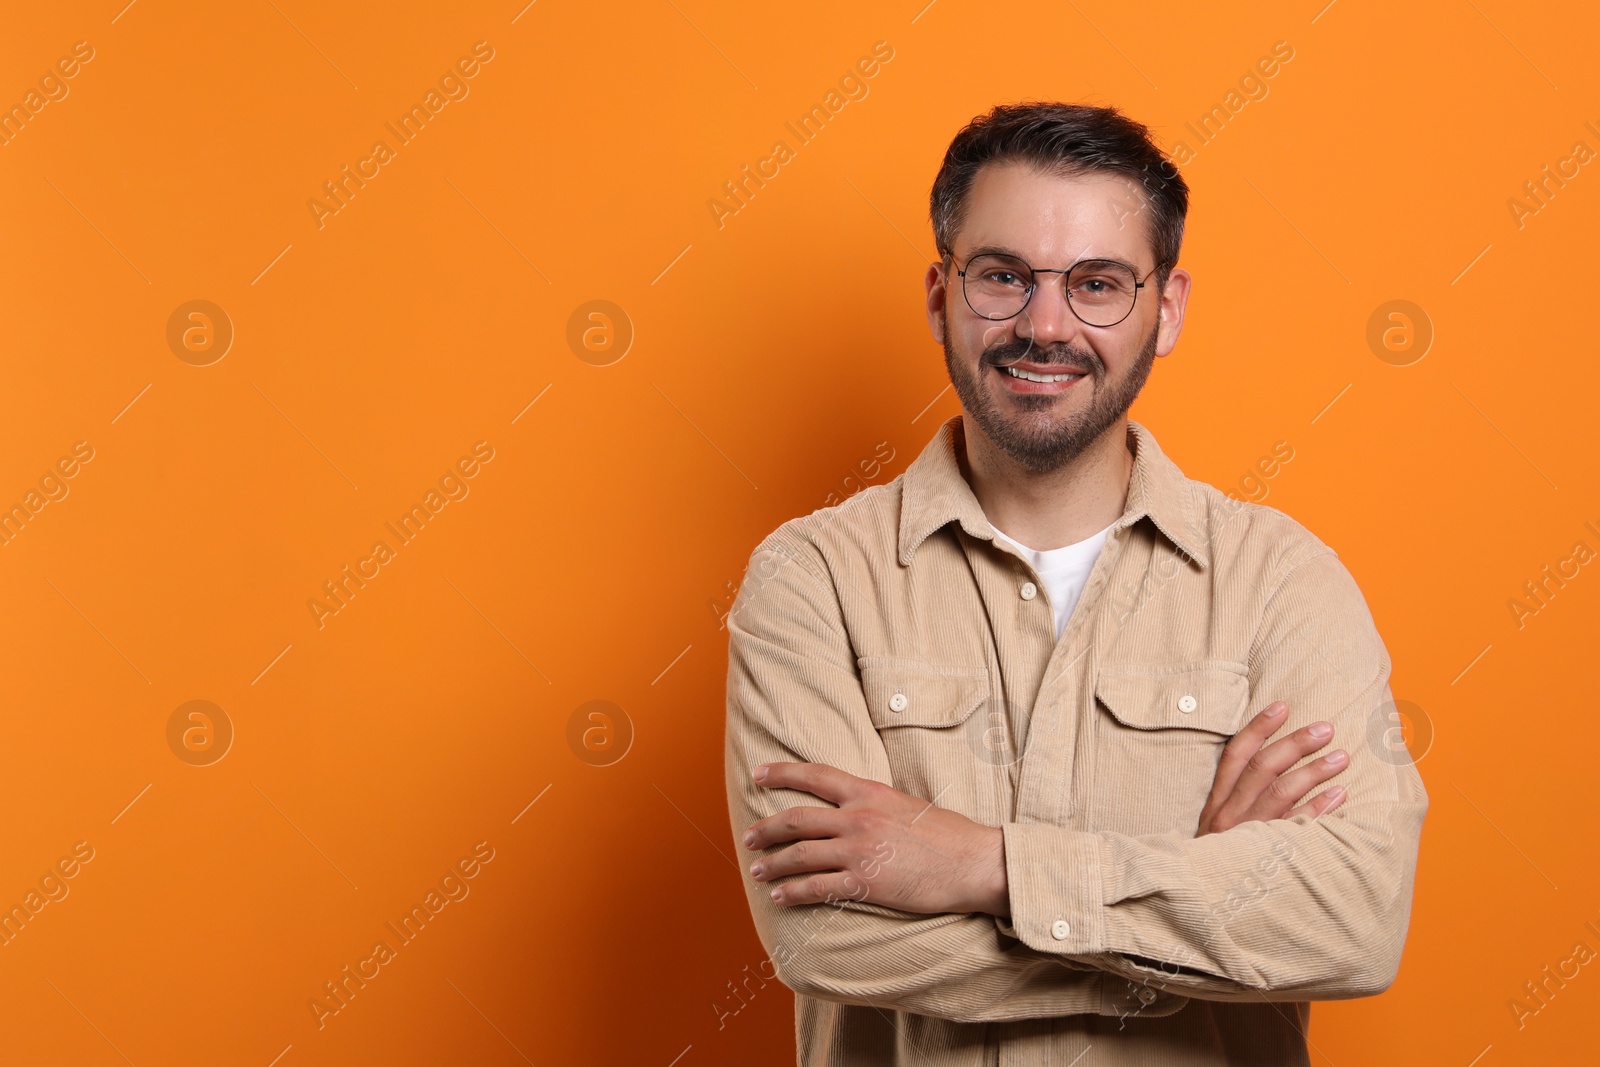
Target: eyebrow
x=1001, y=250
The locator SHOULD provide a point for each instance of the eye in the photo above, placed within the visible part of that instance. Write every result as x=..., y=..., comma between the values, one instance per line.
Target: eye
x=1103, y=284
x=1003, y=276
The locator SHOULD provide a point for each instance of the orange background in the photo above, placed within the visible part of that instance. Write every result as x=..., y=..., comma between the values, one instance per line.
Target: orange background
x=590, y=560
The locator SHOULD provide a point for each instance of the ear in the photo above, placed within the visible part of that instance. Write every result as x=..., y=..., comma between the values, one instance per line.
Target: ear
x=934, y=281
x=1174, y=299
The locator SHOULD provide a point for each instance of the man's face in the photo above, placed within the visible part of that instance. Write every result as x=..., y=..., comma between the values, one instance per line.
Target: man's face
x=1051, y=221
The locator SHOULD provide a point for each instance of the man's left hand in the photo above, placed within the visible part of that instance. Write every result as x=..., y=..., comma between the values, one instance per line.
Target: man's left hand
x=879, y=845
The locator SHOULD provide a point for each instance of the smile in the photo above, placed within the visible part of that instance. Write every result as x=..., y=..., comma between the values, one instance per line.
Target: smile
x=1032, y=377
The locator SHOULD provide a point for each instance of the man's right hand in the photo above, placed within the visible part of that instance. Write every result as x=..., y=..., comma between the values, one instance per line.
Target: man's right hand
x=1251, y=784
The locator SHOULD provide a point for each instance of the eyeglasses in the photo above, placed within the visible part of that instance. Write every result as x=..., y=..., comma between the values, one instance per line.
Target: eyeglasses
x=1100, y=292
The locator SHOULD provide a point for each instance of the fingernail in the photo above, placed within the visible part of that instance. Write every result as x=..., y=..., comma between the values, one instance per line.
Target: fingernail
x=756, y=869
x=1337, y=757
x=749, y=838
x=1320, y=729
x=1336, y=793
x=761, y=773
x=777, y=894
x=1276, y=710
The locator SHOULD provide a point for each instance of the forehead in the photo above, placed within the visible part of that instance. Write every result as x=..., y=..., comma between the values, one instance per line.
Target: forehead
x=1054, y=219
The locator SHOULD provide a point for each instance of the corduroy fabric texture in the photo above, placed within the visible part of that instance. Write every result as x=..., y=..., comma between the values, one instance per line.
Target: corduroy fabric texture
x=887, y=636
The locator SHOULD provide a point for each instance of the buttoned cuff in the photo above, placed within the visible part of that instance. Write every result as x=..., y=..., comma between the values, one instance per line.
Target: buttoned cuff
x=1054, y=884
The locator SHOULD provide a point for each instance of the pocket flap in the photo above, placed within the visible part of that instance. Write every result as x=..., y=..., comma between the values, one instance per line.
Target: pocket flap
x=1198, y=698
x=901, y=694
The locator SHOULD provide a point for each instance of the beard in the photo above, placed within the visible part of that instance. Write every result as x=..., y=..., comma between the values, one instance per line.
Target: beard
x=1039, y=438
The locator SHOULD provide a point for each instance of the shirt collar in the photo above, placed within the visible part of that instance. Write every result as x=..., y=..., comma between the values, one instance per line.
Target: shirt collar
x=934, y=493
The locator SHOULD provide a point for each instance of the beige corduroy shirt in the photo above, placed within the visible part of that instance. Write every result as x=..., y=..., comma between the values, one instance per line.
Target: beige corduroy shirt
x=894, y=637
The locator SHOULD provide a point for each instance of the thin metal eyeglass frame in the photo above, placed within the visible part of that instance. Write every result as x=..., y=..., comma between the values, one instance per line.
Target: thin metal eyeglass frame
x=1033, y=287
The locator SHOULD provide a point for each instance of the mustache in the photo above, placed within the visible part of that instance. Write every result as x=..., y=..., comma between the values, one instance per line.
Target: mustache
x=1020, y=348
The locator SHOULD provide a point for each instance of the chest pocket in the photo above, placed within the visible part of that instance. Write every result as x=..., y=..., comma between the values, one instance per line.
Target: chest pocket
x=1159, y=734
x=905, y=694
x=934, y=725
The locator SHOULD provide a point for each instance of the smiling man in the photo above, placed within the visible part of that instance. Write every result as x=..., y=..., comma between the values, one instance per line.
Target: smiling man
x=997, y=730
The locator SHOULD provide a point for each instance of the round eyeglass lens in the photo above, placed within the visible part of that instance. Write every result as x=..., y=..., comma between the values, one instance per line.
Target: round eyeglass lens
x=997, y=287
x=1101, y=292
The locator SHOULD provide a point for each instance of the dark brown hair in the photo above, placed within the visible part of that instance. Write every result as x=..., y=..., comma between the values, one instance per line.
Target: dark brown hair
x=1066, y=139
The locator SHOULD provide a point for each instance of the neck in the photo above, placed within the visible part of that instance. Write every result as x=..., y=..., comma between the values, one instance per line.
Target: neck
x=1049, y=509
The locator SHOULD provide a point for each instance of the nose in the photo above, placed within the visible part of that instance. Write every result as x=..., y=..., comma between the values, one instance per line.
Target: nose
x=1049, y=318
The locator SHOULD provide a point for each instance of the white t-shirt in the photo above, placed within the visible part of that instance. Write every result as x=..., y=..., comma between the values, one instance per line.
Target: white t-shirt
x=1064, y=571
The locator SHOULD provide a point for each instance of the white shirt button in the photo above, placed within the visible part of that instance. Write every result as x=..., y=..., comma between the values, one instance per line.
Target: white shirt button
x=898, y=702
x=1060, y=929
x=1029, y=590
x=1187, y=703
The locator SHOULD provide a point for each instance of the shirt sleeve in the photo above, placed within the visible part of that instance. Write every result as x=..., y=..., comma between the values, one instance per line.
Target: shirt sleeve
x=1290, y=909
x=794, y=694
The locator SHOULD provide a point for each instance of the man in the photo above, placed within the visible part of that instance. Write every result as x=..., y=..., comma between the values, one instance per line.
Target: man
x=991, y=744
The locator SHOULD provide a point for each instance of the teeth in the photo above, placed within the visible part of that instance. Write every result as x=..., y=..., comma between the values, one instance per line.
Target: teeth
x=1032, y=377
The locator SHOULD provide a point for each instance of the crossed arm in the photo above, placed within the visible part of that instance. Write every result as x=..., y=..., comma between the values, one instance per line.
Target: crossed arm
x=931, y=913
x=949, y=863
